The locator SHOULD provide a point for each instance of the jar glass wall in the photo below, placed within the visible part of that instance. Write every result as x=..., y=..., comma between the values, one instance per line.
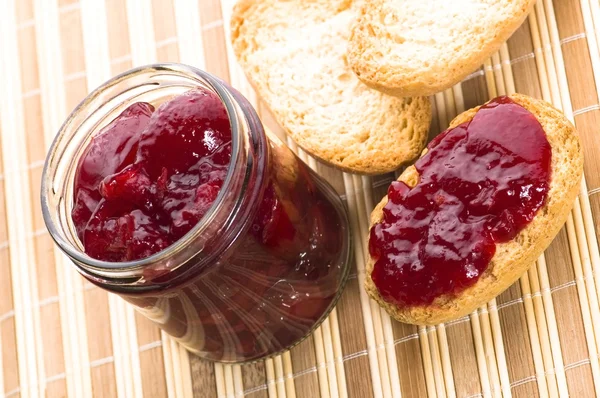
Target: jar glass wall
x=261, y=269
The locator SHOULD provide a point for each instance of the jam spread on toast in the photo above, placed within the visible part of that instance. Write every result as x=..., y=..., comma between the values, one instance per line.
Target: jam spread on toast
x=480, y=183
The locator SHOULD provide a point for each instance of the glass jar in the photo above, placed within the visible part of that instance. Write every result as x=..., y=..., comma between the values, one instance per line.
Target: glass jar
x=261, y=269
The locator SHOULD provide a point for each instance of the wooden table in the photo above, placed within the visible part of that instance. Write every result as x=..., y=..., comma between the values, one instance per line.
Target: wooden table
x=60, y=336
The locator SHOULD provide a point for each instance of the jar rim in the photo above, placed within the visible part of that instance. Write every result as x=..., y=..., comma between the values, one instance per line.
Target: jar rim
x=53, y=160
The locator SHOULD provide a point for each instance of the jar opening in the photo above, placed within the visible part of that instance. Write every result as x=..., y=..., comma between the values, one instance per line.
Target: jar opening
x=154, y=84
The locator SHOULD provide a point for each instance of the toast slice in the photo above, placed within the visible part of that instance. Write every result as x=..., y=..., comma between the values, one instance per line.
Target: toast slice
x=513, y=258
x=408, y=48
x=294, y=54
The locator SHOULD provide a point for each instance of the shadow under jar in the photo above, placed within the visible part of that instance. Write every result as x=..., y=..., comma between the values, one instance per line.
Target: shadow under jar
x=223, y=291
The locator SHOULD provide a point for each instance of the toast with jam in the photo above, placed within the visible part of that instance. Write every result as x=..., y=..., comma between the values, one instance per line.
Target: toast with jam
x=478, y=208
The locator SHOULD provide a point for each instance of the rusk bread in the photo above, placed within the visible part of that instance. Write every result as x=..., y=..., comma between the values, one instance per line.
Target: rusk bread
x=294, y=54
x=513, y=258
x=408, y=48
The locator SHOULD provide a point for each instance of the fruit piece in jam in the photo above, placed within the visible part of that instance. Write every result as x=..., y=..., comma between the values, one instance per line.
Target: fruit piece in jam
x=150, y=176
x=480, y=183
x=119, y=140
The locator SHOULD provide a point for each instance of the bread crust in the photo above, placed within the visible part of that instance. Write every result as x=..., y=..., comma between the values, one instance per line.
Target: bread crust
x=512, y=259
x=388, y=49
x=294, y=54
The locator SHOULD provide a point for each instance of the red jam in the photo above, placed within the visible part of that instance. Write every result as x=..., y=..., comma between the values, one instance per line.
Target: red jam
x=149, y=176
x=480, y=184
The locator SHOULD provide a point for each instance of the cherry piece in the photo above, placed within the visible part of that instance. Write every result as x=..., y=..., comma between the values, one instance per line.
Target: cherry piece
x=113, y=148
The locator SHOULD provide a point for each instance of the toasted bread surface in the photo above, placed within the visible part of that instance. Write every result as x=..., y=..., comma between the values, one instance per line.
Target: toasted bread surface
x=408, y=48
x=294, y=54
x=513, y=258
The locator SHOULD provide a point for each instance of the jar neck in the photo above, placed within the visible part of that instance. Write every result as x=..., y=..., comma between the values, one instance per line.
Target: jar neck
x=216, y=231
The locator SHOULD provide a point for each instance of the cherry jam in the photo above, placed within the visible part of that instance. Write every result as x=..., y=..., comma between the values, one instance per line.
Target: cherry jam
x=210, y=227
x=480, y=183
x=149, y=176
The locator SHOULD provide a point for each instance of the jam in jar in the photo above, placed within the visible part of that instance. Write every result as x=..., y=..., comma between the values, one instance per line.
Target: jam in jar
x=163, y=187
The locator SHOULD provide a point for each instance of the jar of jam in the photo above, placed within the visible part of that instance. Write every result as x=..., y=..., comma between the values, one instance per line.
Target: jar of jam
x=264, y=263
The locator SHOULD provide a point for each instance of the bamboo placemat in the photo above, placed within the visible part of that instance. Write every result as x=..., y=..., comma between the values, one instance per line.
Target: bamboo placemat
x=61, y=336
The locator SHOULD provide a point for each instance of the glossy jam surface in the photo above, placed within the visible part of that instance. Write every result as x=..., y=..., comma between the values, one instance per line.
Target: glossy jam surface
x=480, y=184
x=149, y=176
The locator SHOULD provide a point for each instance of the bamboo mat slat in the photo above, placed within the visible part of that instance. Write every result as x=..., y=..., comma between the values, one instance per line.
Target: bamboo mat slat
x=61, y=336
